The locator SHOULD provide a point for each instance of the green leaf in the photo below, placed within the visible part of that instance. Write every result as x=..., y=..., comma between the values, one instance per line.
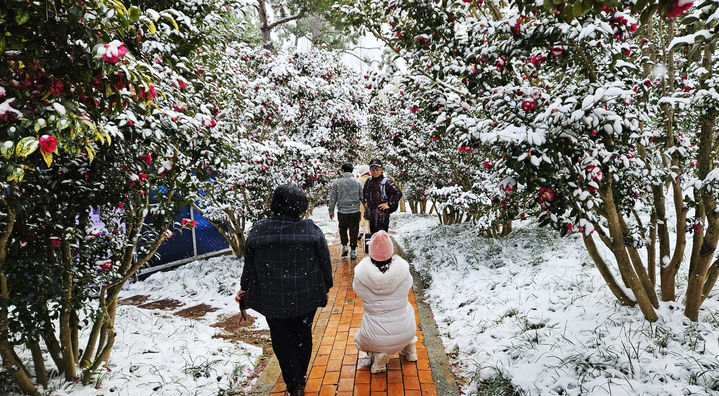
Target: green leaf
x=26, y=146
x=548, y=5
x=646, y=15
x=16, y=175
x=47, y=157
x=7, y=149
x=63, y=123
x=22, y=16
x=135, y=13
x=577, y=9
x=2, y=43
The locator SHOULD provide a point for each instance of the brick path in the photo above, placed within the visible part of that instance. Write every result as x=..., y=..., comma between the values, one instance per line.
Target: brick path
x=337, y=368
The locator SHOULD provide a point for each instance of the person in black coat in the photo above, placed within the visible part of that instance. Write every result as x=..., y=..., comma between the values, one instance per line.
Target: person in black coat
x=287, y=275
x=380, y=197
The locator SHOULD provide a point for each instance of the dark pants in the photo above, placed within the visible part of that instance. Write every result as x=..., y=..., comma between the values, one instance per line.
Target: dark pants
x=349, y=225
x=292, y=344
x=378, y=220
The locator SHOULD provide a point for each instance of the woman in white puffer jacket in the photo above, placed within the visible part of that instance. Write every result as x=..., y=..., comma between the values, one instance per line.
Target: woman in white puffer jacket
x=382, y=281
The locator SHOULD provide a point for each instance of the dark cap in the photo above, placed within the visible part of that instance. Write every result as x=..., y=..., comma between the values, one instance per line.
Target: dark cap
x=375, y=161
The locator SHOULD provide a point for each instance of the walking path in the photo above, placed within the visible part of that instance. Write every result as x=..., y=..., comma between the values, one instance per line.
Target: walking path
x=338, y=368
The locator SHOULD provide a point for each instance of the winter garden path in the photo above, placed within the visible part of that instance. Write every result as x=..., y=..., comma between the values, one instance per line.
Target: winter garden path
x=337, y=368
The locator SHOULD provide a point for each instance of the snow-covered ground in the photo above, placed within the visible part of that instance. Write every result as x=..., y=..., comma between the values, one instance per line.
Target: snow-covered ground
x=159, y=353
x=532, y=308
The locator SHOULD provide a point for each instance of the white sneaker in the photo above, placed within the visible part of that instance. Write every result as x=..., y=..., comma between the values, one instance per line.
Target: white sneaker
x=409, y=352
x=379, y=362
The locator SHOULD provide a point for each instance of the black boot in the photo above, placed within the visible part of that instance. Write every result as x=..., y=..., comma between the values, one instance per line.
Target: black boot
x=298, y=390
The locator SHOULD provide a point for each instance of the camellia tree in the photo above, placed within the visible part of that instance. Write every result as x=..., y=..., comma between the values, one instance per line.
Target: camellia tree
x=296, y=118
x=99, y=138
x=578, y=103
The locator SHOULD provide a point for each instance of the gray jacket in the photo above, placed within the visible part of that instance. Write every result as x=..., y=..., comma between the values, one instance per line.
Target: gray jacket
x=346, y=194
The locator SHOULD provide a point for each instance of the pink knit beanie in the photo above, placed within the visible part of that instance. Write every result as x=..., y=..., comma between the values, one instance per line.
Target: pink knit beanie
x=380, y=246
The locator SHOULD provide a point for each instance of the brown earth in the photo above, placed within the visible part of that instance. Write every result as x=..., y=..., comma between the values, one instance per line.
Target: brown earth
x=235, y=330
x=135, y=300
x=166, y=303
x=195, y=312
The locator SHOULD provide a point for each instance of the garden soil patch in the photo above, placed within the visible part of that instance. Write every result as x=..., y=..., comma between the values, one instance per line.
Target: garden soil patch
x=166, y=304
x=196, y=311
x=236, y=330
x=135, y=300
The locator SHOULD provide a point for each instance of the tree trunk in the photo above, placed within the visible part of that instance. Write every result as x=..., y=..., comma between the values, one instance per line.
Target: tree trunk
x=38, y=362
x=606, y=272
x=265, y=26
x=620, y=252
x=652, y=249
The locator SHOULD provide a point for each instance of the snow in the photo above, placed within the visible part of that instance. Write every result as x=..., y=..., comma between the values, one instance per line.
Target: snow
x=532, y=307
x=158, y=353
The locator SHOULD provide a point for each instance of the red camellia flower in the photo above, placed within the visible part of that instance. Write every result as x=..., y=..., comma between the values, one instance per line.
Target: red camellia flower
x=487, y=165
x=679, y=7
x=210, y=123
x=181, y=84
x=55, y=241
x=188, y=223
x=121, y=205
x=557, y=50
x=48, y=143
x=146, y=158
x=106, y=265
x=465, y=149
x=142, y=177
x=413, y=109
x=529, y=104
x=546, y=194
x=570, y=227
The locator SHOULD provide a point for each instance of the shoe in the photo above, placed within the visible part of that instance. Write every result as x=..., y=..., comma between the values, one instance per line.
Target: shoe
x=353, y=254
x=409, y=352
x=379, y=362
x=299, y=390
x=344, y=251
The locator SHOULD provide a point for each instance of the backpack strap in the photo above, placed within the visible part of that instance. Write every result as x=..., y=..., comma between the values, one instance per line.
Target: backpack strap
x=382, y=189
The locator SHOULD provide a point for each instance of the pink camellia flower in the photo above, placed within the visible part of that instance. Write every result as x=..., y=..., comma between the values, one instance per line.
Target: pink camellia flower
x=413, y=109
x=188, y=223
x=106, y=265
x=546, y=194
x=146, y=158
x=529, y=104
x=47, y=143
x=211, y=123
x=181, y=84
x=557, y=50
x=633, y=27
x=679, y=7
x=111, y=52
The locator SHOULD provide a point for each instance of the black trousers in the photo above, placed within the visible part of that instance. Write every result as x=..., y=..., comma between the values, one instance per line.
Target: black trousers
x=378, y=220
x=349, y=228
x=292, y=344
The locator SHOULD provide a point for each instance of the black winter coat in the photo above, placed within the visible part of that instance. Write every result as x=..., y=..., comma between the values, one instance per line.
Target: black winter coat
x=372, y=195
x=287, y=271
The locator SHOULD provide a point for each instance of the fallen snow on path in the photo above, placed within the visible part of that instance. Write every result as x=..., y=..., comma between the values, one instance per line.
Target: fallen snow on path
x=533, y=308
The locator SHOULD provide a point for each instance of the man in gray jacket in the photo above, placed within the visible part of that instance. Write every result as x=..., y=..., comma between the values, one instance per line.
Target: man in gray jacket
x=346, y=194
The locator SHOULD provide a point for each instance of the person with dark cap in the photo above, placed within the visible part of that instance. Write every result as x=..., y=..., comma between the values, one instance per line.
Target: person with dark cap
x=346, y=194
x=287, y=275
x=380, y=197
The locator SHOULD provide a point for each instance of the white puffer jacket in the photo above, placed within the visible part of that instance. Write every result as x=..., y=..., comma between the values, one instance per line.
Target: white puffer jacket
x=388, y=323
